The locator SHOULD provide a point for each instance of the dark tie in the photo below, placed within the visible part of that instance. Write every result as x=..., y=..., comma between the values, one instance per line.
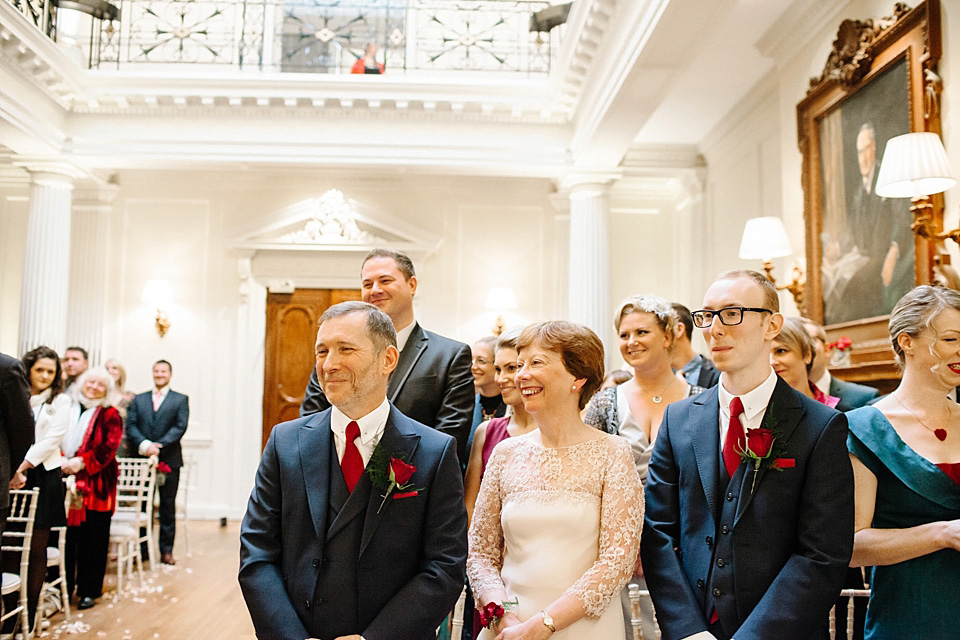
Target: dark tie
x=351, y=464
x=735, y=440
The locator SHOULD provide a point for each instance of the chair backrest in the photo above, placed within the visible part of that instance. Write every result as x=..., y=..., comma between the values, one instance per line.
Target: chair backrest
x=135, y=483
x=23, y=509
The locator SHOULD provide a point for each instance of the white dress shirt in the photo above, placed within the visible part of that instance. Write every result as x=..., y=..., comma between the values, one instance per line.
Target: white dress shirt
x=404, y=334
x=824, y=382
x=371, y=430
x=754, y=402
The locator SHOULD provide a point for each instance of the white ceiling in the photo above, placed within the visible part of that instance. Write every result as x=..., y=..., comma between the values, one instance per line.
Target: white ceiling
x=727, y=66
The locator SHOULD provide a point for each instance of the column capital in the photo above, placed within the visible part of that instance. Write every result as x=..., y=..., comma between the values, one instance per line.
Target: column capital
x=588, y=183
x=96, y=198
x=50, y=172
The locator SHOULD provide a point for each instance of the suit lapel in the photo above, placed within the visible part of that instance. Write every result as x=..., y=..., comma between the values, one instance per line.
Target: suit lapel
x=355, y=505
x=314, y=445
x=786, y=411
x=398, y=441
x=705, y=413
x=416, y=345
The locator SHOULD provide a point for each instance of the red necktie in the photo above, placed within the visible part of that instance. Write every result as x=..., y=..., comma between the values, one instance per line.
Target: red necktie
x=351, y=464
x=735, y=440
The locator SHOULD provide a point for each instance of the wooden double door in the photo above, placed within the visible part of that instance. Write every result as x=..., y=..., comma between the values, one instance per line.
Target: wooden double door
x=289, y=351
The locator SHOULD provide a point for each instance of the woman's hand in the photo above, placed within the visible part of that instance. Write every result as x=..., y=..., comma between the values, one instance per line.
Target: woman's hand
x=18, y=480
x=72, y=465
x=951, y=534
x=532, y=629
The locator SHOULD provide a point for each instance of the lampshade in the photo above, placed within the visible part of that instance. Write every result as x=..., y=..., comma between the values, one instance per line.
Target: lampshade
x=914, y=165
x=501, y=299
x=157, y=293
x=764, y=238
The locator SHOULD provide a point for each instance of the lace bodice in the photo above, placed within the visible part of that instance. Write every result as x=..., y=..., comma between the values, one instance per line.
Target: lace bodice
x=599, y=473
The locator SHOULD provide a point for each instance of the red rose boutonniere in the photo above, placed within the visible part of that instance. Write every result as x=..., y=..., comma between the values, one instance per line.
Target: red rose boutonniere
x=763, y=447
x=389, y=473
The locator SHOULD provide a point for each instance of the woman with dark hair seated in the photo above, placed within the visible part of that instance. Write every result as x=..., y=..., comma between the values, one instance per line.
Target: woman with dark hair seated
x=41, y=465
x=557, y=523
x=905, y=451
x=91, y=450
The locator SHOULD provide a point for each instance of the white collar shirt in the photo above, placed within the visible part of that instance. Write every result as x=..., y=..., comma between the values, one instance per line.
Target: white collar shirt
x=404, y=334
x=371, y=430
x=824, y=382
x=754, y=402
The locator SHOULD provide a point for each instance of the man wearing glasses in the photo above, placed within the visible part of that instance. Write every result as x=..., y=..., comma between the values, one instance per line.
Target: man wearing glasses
x=749, y=514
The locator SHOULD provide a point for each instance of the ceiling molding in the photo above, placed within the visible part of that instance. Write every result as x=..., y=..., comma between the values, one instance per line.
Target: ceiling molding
x=793, y=30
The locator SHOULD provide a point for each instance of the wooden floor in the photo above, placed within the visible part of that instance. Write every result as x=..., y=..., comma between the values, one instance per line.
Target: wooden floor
x=197, y=598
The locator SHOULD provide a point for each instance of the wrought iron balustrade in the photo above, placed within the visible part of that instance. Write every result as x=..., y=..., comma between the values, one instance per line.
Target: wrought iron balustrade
x=328, y=36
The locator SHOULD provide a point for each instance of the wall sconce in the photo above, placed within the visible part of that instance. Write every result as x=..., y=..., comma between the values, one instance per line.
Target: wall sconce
x=158, y=295
x=915, y=166
x=764, y=239
x=500, y=299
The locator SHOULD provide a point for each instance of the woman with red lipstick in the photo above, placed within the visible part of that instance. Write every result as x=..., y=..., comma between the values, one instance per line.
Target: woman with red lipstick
x=905, y=451
x=792, y=359
x=557, y=523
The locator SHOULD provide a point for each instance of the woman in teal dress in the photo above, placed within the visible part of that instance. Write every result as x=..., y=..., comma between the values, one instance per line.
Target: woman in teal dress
x=905, y=452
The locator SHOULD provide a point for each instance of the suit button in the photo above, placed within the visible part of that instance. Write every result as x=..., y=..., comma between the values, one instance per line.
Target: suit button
x=729, y=497
x=316, y=562
x=709, y=542
x=724, y=529
x=700, y=583
x=319, y=601
x=306, y=603
x=717, y=593
x=720, y=562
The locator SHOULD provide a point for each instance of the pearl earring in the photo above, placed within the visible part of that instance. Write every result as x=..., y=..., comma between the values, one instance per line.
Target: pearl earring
x=573, y=388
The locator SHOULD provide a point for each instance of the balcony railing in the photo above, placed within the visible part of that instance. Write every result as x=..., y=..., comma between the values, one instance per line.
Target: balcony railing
x=320, y=36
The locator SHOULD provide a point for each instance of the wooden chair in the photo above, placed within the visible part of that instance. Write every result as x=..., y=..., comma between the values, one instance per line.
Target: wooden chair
x=23, y=508
x=132, y=522
x=55, y=591
x=183, y=527
x=853, y=594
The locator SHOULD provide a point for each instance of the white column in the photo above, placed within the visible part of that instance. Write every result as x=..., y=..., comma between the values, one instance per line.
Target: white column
x=692, y=254
x=589, y=273
x=46, y=264
x=88, y=271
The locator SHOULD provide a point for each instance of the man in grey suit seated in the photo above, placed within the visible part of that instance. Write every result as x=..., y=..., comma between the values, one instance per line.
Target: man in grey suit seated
x=851, y=394
x=432, y=382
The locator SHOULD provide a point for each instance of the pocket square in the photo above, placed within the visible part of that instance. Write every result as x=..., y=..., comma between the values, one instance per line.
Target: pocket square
x=406, y=494
x=784, y=463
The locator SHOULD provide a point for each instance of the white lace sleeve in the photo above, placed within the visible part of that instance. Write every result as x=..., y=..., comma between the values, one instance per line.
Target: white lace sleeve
x=485, y=557
x=621, y=520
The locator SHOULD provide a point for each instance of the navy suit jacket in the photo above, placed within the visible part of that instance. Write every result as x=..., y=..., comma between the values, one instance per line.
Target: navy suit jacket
x=411, y=560
x=432, y=384
x=165, y=426
x=852, y=395
x=787, y=541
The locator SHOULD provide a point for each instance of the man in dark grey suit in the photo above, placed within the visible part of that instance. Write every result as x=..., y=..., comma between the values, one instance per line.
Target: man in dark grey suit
x=330, y=546
x=16, y=425
x=432, y=382
x=155, y=423
x=851, y=394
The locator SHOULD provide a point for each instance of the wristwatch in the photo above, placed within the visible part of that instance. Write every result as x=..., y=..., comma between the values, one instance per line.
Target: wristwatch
x=548, y=621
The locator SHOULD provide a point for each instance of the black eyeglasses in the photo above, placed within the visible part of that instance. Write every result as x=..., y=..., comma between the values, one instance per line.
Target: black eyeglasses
x=729, y=316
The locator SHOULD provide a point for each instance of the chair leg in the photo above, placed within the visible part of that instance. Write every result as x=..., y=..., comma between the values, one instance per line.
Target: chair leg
x=135, y=544
x=120, y=561
x=63, y=586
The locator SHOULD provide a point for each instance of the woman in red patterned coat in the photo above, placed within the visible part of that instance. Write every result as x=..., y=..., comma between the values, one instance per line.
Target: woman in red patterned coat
x=90, y=447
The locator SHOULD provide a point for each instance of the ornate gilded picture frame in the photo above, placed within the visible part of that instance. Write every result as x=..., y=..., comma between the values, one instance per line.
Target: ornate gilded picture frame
x=879, y=81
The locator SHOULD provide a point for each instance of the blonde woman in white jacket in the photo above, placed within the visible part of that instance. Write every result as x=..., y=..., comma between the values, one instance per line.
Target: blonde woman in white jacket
x=41, y=464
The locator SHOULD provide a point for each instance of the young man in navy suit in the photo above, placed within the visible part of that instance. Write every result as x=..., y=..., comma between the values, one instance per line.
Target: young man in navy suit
x=332, y=545
x=743, y=537
x=156, y=421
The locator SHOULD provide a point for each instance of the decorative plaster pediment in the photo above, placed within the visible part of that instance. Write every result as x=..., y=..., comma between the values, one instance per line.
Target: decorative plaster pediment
x=334, y=223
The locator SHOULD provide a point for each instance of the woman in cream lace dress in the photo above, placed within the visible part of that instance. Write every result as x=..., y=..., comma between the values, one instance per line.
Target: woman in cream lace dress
x=557, y=522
